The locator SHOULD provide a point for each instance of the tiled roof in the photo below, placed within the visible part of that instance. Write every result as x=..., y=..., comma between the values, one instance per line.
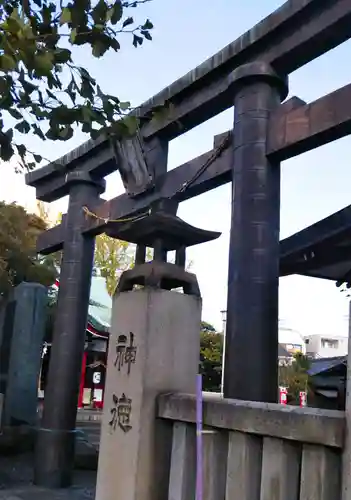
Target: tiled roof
x=324, y=364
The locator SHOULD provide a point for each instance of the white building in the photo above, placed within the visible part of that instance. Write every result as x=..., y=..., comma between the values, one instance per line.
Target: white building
x=326, y=346
x=291, y=340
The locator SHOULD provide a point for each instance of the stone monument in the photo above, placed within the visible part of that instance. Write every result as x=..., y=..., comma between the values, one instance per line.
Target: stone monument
x=21, y=398
x=7, y=315
x=154, y=348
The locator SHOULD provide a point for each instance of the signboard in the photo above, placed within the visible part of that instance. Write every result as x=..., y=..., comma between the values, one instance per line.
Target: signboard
x=292, y=348
x=98, y=395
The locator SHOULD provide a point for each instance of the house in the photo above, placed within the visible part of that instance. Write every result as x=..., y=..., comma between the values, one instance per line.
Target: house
x=326, y=346
x=284, y=356
x=327, y=378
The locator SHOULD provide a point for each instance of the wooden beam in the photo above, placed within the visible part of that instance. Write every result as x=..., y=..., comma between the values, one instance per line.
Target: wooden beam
x=278, y=116
x=310, y=126
x=296, y=33
x=323, y=256
x=50, y=181
x=326, y=231
x=52, y=184
x=289, y=38
x=296, y=127
x=169, y=185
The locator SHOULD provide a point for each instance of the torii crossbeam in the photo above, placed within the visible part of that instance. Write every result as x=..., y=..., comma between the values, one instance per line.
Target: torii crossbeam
x=251, y=74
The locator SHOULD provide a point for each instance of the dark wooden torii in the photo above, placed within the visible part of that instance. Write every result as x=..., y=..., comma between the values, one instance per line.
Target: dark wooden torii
x=251, y=74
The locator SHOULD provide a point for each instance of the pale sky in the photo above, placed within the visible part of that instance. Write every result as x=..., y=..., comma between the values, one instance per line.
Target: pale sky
x=314, y=185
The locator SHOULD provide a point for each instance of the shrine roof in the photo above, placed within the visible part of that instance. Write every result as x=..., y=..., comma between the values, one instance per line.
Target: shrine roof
x=100, y=306
x=322, y=250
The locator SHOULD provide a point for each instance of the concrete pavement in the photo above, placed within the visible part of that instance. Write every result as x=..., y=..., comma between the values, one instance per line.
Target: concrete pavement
x=16, y=482
x=16, y=470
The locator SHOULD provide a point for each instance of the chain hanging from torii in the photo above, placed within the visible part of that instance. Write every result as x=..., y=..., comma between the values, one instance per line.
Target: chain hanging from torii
x=136, y=175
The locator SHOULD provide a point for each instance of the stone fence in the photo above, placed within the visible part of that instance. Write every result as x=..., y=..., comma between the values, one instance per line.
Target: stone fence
x=254, y=451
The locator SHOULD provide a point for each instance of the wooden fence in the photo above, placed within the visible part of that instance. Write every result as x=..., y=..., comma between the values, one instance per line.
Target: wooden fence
x=254, y=451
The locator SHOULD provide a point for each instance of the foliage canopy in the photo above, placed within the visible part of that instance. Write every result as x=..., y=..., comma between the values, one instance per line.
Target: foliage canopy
x=211, y=350
x=43, y=91
x=18, y=259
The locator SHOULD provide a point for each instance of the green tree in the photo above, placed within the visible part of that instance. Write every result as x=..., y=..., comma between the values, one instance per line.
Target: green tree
x=18, y=259
x=43, y=90
x=111, y=258
x=295, y=377
x=211, y=351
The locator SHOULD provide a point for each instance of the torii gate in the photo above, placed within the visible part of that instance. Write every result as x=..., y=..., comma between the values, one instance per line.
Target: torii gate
x=251, y=74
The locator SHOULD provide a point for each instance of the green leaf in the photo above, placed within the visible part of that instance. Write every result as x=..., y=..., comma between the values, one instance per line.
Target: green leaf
x=51, y=95
x=99, y=48
x=66, y=16
x=137, y=40
x=124, y=105
x=9, y=134
x=23, y=127
x=116, y=12
x=15, y=114
x=131, y=122
x=13, y=25
x=7, y=62
x=86, y=114
x=44, y=63
x=128, y=22
x=72, y=86
x=28, y=87
x=37, y=131
x=148, y=25
x=21, y=148
x=37, y=158
x=87, y=90
x=6, y=150
x=52, y=133
x=84, y=74
x=62, y=56
x=146, y=34
x=73, y=35
x=94, y=134
x=114, y=44
x=86, y=128
x=66, y=133
x=100, y=12
x=109, y=109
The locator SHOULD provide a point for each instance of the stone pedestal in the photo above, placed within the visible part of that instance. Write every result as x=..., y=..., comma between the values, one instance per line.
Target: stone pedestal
x=7, y=316
x=27, y=340
x=154, y=348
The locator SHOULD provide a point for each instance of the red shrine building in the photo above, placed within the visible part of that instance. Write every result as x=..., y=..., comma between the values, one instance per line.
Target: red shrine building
x=92, y=384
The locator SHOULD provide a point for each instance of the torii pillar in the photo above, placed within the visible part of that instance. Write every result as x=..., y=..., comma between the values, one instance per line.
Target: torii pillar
x=251, y=350
x=56, y=437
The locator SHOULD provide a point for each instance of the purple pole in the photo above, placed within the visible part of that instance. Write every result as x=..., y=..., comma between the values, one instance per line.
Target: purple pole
x=199, y=481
